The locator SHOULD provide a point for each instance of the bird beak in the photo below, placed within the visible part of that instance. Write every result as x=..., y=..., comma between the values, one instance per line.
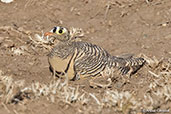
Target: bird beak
x=48, y=34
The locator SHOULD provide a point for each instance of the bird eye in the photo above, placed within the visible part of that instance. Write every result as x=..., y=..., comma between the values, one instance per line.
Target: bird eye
x=60, y=31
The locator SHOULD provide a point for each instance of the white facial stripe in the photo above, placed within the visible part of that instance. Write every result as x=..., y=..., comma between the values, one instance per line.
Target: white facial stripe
x=57, y=28
x=65, y=30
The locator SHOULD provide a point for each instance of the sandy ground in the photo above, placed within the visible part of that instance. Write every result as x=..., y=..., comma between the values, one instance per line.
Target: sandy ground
x=120, y=26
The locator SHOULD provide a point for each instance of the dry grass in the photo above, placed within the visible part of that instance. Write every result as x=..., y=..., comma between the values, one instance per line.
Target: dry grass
x=9, y=88
x=159, y=91
x=122, y=101
x=157, y=94
x=56, y=89
x=14, y=91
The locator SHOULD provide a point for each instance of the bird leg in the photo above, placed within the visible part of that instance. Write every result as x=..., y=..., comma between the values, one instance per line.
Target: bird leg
x=54, y=74
x=66, y=80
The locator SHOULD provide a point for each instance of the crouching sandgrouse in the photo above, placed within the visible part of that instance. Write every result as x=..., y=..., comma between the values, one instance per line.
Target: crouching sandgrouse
x=80, y=59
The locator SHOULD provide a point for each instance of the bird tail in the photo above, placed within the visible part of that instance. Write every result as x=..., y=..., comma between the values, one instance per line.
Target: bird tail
x=128, y=65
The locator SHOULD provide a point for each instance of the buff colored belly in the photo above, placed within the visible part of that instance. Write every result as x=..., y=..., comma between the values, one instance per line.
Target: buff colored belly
x=60, y=65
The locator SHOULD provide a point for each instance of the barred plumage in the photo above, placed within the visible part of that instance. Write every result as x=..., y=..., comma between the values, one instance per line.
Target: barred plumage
x=81, y=59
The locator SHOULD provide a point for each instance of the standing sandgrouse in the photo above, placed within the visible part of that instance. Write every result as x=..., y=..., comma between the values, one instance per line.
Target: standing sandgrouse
x=80, y=59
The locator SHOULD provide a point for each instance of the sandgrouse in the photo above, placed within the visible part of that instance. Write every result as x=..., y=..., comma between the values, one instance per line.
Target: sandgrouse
x=80, y=59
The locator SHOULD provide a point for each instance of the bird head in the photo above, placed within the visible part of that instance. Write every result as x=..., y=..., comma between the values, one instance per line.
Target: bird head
x=59, y=33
